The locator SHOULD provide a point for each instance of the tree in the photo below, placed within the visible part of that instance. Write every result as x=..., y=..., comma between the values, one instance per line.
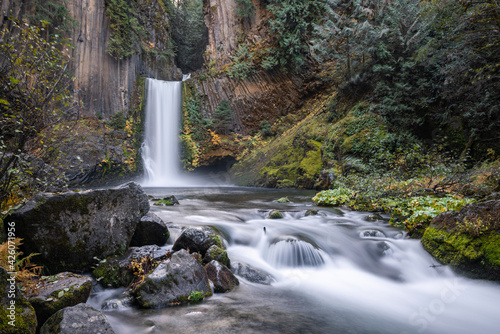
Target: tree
x=223, y=117
x=291, y=24
x=34, y=81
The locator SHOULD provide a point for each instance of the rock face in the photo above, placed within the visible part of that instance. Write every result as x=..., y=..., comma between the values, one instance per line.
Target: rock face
x=172, y=282
x=197, y=240
x=117, y=271
x=221, y=276
x=79, y=319
x=468, y=240
x=151, y=230
x=63, y=290
x=70, y=229
x=18, y=316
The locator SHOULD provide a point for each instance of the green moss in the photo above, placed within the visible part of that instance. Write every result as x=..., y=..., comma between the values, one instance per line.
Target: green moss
x=218, y=254
x=477, y=254
x=109, y=274
x=275, y=214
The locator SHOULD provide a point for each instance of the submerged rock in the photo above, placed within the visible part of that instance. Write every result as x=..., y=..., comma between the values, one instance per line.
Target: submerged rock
x=275, y=214
x=78, y=319
x=117, y=271
x=172, y=282
x=69, y=229
x=58, y=292
x=167, y=201
x=311, y=212
x=197, y=240
x=283, y=200
x=468, y=240
x=151, y=230
x=18, y=316
x=251, y=274
x=223, y=279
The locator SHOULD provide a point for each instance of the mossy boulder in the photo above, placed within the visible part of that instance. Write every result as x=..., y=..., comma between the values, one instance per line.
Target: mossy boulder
x=78, y=319
x=468, y=240
x=117, y=271
x=311, y=212
x=172, y=282
x=167, y=201
x=69, y=229
x=275, y=214
x=151, y=230
x=60, y=291
x=197, y=240
x=17, y=314
x=218, y=254
x=222, y=277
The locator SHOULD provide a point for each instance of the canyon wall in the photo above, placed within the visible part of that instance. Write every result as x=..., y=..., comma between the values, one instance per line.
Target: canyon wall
x=261, y=96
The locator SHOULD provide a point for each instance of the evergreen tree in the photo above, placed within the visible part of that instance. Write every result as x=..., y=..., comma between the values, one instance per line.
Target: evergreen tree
x=223, y=117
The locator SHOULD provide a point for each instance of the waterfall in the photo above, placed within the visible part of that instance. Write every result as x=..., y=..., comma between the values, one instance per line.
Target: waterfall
x=160, y=150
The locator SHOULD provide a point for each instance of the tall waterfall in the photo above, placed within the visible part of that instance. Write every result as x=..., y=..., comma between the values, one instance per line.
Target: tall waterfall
x=160, y=150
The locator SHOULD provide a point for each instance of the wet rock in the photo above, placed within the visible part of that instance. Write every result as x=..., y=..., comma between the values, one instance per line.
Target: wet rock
x=251, y=274
x=69, y=229
x=117, y=271
x=60, y=291
x=118, y=303
x=197, y=240
x=151, y=230
x=18, y=316
x=283, y=200
x=373, y=217
x=468, y=240
x=218, y=254
x=78, y=319
x=223, y=279
x=311, y=212
x=275, y=214
x=167, y=201
x=172, y=282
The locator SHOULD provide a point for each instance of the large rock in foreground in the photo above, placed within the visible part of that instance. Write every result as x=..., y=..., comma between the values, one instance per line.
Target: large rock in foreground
x=79, y=319
x=18, y=316
x=70, y=229
x=172, y=282
x=468, y=240
x=58, y=292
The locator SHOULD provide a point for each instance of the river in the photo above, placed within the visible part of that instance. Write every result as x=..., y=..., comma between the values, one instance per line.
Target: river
x=333, y=273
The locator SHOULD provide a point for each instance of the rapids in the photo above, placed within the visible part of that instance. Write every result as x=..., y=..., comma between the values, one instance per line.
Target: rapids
x=333, y=273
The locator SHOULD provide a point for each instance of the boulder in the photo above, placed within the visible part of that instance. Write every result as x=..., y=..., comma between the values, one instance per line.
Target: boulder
x=218, y=254
x=197, y=240
x=172, y=282
x=151, y=230
x=468, y=240
x=166, y=201
x=275, y=214
x=251, y=274
x=223, y=279
x=311, y=212
x=118, y=271
x=78, y=319
x=69, y=229
x=60, y=291
x=18, y=316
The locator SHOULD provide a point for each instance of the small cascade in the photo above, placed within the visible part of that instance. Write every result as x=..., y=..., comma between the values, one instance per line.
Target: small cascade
x=293, y=252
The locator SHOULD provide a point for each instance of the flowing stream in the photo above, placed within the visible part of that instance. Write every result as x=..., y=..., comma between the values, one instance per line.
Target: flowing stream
x=333, y=273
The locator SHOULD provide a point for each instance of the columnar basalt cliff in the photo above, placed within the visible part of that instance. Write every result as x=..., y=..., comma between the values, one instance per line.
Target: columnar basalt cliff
x=260, y=96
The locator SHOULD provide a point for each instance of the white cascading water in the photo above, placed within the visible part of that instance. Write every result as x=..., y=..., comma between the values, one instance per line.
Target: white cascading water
x=160, y=150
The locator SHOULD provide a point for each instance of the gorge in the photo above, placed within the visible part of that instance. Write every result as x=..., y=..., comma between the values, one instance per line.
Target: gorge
x=341, y=157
